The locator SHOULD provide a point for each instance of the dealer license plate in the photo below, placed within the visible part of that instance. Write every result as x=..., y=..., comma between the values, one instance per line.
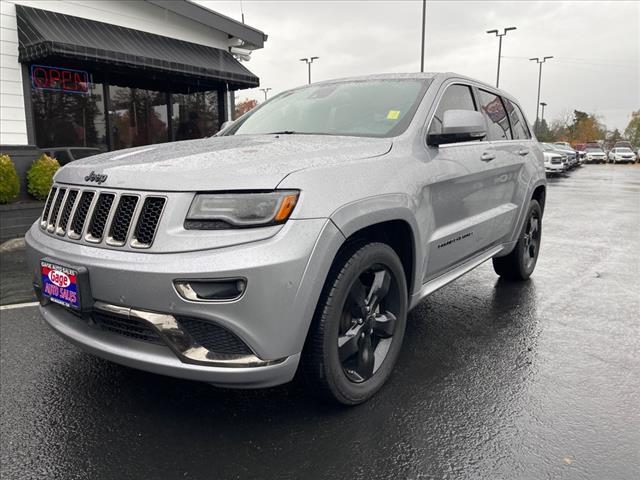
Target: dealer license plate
x=60, y=284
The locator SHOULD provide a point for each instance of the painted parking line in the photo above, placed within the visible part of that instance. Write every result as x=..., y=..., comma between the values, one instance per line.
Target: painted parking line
x=14, y=306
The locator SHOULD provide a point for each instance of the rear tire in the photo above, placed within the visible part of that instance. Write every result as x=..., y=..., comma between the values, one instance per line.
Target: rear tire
x=356, y=334
x=520, y=263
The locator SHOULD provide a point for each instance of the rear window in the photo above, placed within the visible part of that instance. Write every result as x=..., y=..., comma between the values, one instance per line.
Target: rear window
x=519, y=126
x=496, y=115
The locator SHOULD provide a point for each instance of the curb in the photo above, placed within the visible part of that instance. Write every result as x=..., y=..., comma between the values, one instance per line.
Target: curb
x=12, y=245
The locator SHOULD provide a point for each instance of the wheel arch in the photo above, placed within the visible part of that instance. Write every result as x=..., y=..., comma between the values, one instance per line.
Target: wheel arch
x=387, y=219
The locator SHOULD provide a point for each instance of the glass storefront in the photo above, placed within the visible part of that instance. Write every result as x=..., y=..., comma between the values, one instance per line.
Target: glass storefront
x=195, y=115
x=137, y=117
x=69, y=118
x=69, y=110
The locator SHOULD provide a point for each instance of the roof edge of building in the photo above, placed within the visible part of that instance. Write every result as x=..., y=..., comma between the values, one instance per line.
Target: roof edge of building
x=187, y=8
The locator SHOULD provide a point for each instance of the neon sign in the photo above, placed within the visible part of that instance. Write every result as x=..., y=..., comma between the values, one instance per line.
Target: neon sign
x=59, y=79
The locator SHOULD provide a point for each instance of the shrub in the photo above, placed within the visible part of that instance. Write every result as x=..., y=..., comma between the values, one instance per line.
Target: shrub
x=40, y=176
x=9, y=182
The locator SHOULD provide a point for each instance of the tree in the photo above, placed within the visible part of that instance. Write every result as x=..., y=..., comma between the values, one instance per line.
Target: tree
x=613, y=137
x=632, y=132
x=578, y=127
x=244, y=106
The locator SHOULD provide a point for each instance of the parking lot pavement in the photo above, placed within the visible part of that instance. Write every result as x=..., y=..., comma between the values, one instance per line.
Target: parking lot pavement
x=496, y=381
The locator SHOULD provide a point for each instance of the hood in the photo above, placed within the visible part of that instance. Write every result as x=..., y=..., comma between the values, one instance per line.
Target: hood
x=219, y=163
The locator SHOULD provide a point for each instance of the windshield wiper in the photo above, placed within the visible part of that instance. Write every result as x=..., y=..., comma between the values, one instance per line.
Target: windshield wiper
x=284, y=132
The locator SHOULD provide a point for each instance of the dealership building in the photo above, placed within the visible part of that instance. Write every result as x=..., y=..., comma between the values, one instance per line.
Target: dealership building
x=93, y=75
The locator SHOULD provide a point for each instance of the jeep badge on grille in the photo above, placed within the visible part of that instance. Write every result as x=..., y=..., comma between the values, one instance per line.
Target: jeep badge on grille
x=99, y=178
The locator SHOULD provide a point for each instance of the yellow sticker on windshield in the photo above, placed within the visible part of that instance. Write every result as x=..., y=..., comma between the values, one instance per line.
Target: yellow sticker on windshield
x=393, y=115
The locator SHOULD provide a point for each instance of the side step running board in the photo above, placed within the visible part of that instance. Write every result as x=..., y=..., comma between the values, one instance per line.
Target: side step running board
x=448, y=277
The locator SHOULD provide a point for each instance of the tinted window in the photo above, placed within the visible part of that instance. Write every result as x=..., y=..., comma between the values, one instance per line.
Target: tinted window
x=62, y=156
x=519, y=126
x=496, y=115
x=456, y=97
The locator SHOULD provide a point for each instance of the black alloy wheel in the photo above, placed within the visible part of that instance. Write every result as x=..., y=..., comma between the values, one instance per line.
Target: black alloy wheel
x=356, y=334
x=368, y=322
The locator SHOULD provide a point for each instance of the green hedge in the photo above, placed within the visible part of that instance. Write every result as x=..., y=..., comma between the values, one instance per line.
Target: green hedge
x=9, y=182
x=40, y=176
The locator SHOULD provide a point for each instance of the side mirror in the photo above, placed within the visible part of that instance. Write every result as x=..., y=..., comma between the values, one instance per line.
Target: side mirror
x=459, y=126
x=226, y=124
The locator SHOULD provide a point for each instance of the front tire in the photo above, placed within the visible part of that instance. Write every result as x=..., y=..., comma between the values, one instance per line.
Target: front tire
x=521, y=262
x=356, y=334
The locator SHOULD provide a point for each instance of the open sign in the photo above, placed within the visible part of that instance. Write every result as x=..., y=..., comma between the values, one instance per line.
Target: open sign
x=59, y=79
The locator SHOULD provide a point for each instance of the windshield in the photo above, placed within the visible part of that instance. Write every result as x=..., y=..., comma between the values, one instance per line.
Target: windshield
x=623, y=150
x=592, y=149
x=374, y=108
x=548, y=148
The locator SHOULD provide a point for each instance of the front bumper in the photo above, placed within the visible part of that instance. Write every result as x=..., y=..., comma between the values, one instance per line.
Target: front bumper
x=554, y=168
x=284, y=277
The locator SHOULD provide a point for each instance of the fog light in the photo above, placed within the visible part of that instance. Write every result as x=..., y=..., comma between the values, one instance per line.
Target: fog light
x=211, y=290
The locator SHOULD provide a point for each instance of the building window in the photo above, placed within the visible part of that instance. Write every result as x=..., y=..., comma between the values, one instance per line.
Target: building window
x=67, y=112
x=195, y=115
x=137, y=117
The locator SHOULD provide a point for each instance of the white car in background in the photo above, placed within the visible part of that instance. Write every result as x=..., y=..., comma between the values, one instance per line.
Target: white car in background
x=553, y=160
x=595, y=155
x=622, y=154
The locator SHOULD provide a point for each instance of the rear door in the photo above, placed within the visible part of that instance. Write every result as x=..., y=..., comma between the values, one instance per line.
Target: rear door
x=467, y=183
x=520, y=150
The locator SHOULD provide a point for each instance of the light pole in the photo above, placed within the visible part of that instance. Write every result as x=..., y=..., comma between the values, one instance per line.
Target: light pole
x=265, y=90
x=542, y=104
x=424, y=26
x=500, y=35
x=309, y=62
x=540, y=62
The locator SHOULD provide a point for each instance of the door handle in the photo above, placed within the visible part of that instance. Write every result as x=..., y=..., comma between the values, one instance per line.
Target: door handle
x=523, y=152
x=487, y=157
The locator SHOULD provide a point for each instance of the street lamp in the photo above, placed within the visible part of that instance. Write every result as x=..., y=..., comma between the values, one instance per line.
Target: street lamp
x=309, y=62
x=540, y=61
x=542, y=104
x=500, y=35
x=424, y=26
x=265, y=90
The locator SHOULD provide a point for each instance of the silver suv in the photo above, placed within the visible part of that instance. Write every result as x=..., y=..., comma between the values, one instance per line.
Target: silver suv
x=297, y=238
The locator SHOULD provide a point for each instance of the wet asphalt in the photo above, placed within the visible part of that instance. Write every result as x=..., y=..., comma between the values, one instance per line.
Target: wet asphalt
x=539, y=380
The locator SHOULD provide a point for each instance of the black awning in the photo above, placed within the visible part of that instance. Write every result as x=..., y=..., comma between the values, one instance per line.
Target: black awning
x=43, y=34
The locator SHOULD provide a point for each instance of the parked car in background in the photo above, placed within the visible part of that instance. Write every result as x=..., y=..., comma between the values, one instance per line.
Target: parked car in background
x=581, y=149
x=572, y=155
x=553, y=163
x=623, y=143
x=565, y=158
x=622, y=155
x=595, y=155
x=297, y=238
x=65, y=155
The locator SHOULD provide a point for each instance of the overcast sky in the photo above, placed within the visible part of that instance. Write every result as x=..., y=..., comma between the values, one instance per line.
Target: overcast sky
x=596, y=46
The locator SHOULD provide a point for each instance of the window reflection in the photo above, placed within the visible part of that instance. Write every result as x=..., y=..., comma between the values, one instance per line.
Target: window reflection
x=65, y=119
x=137, y=117
x=195, y=115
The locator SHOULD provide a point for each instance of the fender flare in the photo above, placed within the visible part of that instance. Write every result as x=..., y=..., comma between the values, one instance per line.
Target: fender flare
x=355, y=216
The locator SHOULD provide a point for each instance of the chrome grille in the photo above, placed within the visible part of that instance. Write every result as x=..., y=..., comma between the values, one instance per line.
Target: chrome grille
x=122, y=220
x=77, y=225
x=55, y=210
x=47, y=207
x=91, y=216
x=148, y=222
x=66, y=212
x=99, y=217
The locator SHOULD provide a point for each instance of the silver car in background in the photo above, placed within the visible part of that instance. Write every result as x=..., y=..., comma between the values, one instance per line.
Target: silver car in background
x=297, y=239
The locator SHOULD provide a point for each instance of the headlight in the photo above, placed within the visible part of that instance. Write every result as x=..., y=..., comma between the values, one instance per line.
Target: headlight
x=240, y=210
